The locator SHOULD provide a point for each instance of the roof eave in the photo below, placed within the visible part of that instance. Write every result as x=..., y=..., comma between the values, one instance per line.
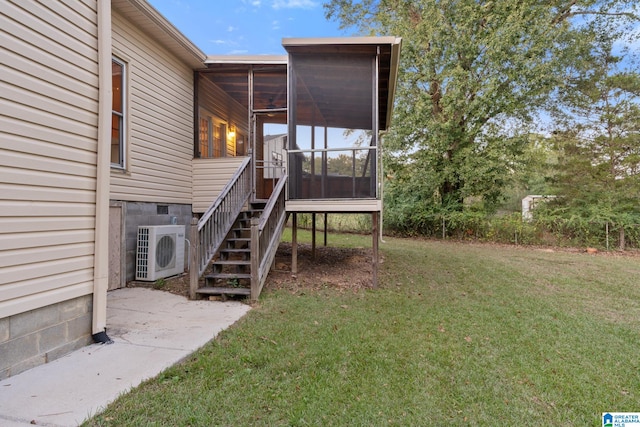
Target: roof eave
x=393, y=78
x=373, y=40
x=151, y=21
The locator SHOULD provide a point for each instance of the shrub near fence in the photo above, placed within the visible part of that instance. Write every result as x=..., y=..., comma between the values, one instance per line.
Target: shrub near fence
x=344, y=223
x=474, y=225
x=553, y=231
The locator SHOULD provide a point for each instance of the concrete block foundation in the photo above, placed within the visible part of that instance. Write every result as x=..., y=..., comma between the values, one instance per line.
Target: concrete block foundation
x=39, y=336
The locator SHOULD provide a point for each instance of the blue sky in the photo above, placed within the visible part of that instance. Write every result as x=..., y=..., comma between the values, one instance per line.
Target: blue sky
x=247, y=27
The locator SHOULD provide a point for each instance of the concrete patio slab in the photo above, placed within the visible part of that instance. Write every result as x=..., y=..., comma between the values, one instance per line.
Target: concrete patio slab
x=151, y=330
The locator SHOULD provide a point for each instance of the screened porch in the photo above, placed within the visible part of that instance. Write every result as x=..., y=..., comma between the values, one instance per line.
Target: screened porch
x=314, y=115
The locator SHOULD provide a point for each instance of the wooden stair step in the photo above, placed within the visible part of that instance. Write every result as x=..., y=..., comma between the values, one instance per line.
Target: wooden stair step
x=228, y=276
x=232, y=262
x=216, y=290
x=236, y=250
x=239, y=239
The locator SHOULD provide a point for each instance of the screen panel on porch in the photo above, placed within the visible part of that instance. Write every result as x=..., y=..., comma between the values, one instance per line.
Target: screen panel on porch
x=333, y=148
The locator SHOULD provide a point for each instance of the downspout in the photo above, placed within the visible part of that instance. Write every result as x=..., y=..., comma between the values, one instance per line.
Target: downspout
x=103, y=170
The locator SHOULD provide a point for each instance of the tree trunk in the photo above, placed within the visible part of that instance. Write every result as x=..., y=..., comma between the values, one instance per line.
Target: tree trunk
x=451, y=194
x=622, y=242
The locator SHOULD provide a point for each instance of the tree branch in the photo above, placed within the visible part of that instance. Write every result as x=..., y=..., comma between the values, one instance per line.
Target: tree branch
x=590, y=12
x=567, y=13
x=564, y=13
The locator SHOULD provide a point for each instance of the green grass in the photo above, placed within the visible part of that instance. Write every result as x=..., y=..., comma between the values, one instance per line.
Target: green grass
x=457, y=334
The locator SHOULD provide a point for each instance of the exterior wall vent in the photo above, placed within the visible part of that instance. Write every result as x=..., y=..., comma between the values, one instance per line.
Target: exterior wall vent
x=160, y=251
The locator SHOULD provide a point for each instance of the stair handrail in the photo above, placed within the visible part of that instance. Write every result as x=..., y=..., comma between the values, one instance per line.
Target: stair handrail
x=227, y=188
x=219, y=218
x=265, y=236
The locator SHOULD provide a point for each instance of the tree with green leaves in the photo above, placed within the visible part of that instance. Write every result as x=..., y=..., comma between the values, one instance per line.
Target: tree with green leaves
x=474, y=75
x=599, y=138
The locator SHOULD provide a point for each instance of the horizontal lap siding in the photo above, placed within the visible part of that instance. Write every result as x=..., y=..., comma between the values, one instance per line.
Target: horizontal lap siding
x=48, y=144
x=216, y=101
x=160, y=134
x=209, y=178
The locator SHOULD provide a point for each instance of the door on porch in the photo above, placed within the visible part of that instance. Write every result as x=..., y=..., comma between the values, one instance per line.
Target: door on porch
x=270, y=143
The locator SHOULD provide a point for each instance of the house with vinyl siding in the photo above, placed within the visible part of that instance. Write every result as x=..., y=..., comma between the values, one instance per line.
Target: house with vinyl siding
x=111, y=120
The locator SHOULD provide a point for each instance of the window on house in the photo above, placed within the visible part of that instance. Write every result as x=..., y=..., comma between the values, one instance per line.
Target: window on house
x=219, y=139
x=212, y=136
x=118, y=113
x=205, y=141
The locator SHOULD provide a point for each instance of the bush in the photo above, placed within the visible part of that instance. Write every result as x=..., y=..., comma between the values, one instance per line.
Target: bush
x=545, y=229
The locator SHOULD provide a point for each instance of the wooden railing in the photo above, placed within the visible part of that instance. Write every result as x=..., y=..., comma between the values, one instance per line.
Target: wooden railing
x=212, y=228
x=265, y=237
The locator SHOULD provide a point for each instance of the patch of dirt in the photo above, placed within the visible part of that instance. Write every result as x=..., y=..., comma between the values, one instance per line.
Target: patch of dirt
x=178, y=285
x=345, y=269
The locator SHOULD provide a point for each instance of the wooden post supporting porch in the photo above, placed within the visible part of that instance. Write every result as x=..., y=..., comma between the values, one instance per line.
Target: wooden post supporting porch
x=294, y=243
x=326, y=217
x=255, y=259
x=375, y=218
x=313, y=236
x=193, y=258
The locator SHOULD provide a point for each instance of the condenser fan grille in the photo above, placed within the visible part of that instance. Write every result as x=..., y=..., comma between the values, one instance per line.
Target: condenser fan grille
x=165, y=252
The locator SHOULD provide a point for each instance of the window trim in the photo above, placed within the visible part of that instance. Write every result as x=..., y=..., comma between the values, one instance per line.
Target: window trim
x=123, y=146
x=213, y=121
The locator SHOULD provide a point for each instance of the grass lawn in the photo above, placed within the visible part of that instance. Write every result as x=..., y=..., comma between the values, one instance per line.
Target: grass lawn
x=456, y=334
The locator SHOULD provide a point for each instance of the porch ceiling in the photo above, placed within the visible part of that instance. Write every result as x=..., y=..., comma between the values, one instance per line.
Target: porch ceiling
x=270, y=82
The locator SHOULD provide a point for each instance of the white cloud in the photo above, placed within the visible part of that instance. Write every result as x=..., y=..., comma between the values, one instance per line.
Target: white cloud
x=275, y=25
x=293, y=4
x=238, y=52
x=231, y=29
x=219, y=42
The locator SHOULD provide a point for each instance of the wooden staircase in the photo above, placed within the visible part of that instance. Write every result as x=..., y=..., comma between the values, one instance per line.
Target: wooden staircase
x=229, y=272
x=232, y=248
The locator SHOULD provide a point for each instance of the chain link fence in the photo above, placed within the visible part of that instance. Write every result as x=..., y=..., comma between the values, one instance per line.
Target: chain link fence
x=512, y=229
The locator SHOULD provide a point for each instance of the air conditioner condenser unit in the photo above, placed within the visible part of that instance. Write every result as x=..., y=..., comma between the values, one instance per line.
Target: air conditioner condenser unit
x=159, y=252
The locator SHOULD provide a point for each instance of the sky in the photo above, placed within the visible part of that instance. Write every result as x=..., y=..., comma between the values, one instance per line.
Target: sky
x=247, y=27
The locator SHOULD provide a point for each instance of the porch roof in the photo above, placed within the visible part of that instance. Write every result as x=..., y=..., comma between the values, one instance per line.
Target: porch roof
x=230, y=73
x=388, y=49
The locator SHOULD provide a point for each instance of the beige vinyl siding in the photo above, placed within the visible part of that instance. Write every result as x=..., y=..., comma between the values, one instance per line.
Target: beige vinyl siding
x=48, y=144
x=218, y=103
x=209, y=178
x=160, y=120
x=231, y=147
